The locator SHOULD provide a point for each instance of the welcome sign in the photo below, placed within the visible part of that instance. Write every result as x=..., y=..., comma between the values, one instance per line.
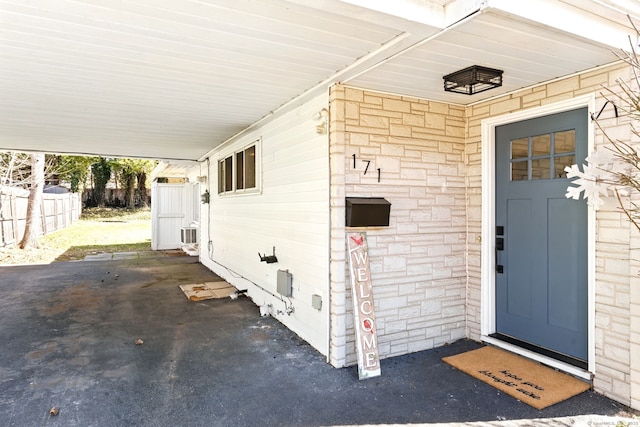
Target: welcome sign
x=364, y=317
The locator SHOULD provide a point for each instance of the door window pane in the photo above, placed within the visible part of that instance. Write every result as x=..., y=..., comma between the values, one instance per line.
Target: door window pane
x=541, y=145
x=541, y=168
x=520, y=171
x=520, y=148
x=560, y=163
x=565, y=142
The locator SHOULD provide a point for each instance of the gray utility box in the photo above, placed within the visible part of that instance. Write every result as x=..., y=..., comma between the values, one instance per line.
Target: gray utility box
x=367, y=212
x=285, y=283
x=316, y=301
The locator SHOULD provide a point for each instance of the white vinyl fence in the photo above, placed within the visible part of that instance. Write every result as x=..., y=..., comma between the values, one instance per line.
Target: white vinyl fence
x=56, y=212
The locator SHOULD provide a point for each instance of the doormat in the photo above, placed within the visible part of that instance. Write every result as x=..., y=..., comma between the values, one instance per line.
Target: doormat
x=524, y=379
x=207, y=290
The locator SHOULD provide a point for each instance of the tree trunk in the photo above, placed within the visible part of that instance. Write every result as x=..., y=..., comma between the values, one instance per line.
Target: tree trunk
x=130, y=190
x=143, y=196
x=32, y=226
x=101, y=173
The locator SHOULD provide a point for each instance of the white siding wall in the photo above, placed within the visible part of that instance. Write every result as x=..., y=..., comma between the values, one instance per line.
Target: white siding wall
x=291, y=213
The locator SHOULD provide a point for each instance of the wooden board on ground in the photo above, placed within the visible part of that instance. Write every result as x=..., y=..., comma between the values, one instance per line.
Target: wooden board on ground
x=207, y=290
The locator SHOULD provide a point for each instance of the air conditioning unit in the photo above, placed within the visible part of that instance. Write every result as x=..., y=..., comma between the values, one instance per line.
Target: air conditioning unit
x=188, y=235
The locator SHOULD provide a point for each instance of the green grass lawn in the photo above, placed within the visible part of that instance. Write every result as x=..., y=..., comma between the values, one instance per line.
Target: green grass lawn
x=99, y=230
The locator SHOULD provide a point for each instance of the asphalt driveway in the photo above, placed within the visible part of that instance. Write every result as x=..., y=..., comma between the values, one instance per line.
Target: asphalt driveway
x=68, y=336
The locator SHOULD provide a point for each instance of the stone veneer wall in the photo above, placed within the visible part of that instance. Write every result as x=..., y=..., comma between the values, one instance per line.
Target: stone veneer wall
x=426, y=265
x=617, y=337
x=634, y=319
x=418, y=265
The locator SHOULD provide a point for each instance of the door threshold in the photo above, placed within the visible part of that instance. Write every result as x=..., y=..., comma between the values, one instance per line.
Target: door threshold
x=546, y=360
x=574, y=361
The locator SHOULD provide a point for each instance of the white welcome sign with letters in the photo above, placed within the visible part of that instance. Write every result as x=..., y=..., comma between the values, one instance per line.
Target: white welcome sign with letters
x=364, y=317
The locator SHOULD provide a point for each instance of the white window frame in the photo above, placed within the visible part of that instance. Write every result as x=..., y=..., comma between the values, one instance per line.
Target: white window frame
x=234, y=190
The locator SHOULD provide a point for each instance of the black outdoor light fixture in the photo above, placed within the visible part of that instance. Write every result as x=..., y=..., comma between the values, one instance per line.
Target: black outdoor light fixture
x=472, y=80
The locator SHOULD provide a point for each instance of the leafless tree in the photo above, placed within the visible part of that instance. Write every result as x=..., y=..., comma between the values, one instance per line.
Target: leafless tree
x=36, y=185
x=624, y=175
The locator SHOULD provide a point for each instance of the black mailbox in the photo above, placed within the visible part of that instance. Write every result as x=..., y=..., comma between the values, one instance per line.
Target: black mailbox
x=367, y=212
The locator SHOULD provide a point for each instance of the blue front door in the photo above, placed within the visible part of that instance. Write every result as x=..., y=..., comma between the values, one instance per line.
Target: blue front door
x=541, y=236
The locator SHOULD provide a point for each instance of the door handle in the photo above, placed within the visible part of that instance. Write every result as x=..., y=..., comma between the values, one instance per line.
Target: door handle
x=499, y=248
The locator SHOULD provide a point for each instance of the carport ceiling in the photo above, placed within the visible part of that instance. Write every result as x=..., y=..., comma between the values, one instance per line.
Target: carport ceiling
x=172, y=79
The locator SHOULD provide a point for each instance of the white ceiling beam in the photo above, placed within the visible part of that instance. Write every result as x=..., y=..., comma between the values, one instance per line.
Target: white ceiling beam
x=420, y=11
x=561, y=16
x=624, y=7
x=458, y=10
x=418, y=17
x=407, y=15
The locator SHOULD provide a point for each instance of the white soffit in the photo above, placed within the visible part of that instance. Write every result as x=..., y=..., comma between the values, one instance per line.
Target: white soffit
x=172, y=79
x=529, y=52
x=164, y=78
x=174, y=169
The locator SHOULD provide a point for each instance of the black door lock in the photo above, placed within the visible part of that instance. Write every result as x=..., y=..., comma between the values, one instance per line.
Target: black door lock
x=499, y=248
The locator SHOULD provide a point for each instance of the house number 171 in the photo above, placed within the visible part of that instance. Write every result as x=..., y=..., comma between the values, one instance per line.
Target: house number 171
x=366, y=168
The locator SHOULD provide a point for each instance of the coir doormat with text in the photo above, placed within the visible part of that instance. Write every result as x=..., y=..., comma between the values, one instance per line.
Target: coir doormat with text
x=524, y=379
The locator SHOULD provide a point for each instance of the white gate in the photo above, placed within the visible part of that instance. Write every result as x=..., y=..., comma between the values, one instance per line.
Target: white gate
x=168, y=216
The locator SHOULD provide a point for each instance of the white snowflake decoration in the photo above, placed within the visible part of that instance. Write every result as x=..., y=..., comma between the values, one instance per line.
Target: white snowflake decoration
x=596, y=180
x=586, y=182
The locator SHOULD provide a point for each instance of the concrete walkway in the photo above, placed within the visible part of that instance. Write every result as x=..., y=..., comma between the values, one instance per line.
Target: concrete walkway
x=68, y=333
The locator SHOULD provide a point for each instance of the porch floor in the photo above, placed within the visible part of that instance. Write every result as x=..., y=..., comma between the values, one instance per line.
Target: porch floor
x=68, y=332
